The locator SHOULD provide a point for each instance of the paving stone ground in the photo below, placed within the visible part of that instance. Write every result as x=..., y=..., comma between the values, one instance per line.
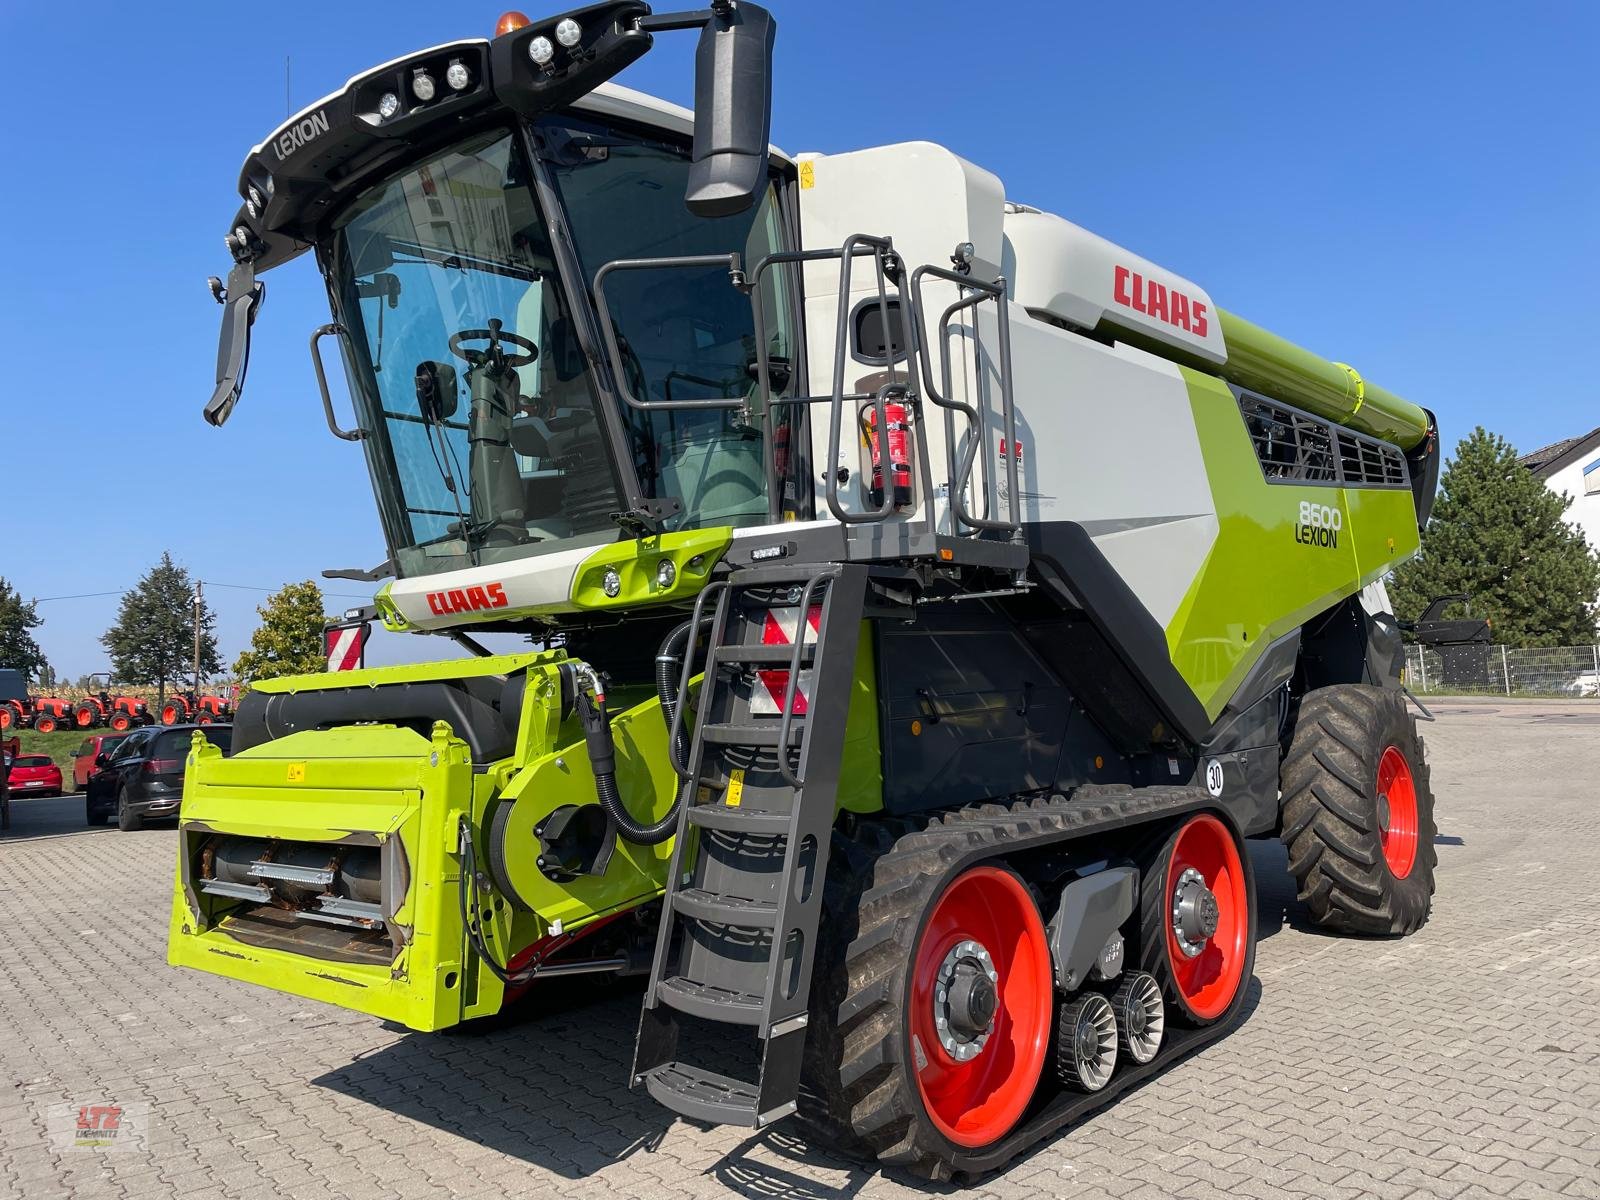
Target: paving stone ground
x=1462, y=1062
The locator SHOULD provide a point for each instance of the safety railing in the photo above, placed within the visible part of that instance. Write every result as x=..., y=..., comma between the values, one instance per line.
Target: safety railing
x=910, y=375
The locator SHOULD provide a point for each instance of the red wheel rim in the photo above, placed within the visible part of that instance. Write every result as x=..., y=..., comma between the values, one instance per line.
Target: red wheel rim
x=976, y=1102
x=1397, y=828
x=84, y=718
x=119, y=723
x=1210, y=980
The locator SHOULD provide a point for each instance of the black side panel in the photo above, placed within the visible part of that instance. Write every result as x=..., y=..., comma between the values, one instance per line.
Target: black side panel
x=1117, y=663
x=471, y=707
x=1345, y=645
x=971, y=710
x=1246, y=738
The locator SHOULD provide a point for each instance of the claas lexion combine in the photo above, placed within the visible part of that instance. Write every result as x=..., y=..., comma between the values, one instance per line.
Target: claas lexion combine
x=926, y=598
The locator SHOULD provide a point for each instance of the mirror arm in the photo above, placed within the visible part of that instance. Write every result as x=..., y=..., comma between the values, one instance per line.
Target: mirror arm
x=241, y=300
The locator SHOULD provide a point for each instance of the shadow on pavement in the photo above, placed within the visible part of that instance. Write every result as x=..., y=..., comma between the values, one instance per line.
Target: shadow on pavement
x=546, y=1083
x=52, y=816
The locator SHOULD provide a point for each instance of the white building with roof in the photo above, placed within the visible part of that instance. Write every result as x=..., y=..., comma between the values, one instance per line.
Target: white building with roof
x=1573, y=466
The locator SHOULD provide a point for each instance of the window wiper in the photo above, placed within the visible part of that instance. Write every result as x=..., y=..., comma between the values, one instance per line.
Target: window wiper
x=416, y=252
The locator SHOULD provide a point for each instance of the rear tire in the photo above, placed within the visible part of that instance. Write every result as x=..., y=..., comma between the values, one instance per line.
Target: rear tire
x=86, y=716
x=127, y=821
x=1358, y=812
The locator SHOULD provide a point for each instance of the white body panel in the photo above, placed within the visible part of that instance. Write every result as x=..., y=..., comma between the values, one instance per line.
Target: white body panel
x=1078, y=460
x=1062, y=269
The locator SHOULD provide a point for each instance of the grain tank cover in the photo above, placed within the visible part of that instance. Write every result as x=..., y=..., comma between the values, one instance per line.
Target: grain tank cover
x=1061, y=270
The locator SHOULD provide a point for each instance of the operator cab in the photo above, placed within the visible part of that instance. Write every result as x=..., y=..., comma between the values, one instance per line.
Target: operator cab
x=460, y=204
x=487, y=438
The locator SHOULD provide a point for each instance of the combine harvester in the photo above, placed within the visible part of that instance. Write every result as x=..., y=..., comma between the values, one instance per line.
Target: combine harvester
x=929, y=597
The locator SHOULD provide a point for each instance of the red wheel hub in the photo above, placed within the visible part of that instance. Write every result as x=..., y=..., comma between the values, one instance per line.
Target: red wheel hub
x=1397, y=812
x=977, y=1072
x=1206, y=876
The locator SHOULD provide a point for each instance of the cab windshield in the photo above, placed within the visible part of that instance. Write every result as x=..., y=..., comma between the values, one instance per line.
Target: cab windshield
x=486, y=440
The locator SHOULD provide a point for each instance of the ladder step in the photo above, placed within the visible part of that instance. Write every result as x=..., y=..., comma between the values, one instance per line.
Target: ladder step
x=765, y=734
x=737, y=820
x=710, y=1003
x=725, y=910
x=777, y=656
x=705, y=1095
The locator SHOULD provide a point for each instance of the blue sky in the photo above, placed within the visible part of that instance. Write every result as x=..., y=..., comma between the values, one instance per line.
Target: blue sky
x=1411, y=188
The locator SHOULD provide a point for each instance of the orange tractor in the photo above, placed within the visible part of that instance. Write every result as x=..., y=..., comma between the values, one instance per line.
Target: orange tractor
x=118, y=713
x=19, y=710
x=192, y=708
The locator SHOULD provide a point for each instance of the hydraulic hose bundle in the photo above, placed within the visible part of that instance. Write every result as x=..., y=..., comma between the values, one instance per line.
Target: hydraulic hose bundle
x=591, y=702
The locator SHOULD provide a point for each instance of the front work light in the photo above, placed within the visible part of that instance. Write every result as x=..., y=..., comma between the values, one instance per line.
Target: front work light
x=422, y=86
x=568, y=32
x=542, y=51
x=457, y=76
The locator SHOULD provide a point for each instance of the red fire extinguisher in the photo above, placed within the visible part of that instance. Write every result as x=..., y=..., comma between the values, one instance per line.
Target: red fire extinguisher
x=897, y=419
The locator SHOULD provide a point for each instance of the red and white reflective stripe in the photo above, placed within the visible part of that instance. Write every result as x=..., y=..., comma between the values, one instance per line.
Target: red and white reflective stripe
x=345, y=644
x=779, y=630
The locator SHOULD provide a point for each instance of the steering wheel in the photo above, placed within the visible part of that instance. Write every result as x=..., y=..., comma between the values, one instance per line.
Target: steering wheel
x=494, y=335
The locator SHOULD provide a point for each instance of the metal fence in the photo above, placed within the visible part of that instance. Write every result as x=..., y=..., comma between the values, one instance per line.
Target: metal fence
x=1503, y=671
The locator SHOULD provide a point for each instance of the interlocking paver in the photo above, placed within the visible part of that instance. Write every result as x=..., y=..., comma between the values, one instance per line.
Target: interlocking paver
x=1463, y=1062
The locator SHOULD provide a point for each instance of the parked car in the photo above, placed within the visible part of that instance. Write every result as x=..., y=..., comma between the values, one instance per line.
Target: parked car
x=83, y=758
x=143, y=777
x=35, y=775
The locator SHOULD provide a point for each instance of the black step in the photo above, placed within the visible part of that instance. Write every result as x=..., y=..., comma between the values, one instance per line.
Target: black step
x=777, y=656
x=725, y=910
x=711, y=1002
x=704, y=1095
x=764, y=734
x=737, y=820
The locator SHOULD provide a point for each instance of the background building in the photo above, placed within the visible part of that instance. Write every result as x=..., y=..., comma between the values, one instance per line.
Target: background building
x=1573, y=466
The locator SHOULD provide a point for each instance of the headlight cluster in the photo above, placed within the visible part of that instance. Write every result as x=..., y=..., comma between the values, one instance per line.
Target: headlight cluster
x=426, y=87
x=568, y=33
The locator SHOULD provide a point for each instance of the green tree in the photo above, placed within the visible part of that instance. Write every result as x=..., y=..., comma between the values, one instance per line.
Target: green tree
x=47, y=677
x=18, y=620
x=289, y=639
x=153, y=638
x=1498, y=535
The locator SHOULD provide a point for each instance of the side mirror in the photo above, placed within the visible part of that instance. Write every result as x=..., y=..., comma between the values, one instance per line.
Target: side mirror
x=436, y=390
x=101, y=760
x=732, y=109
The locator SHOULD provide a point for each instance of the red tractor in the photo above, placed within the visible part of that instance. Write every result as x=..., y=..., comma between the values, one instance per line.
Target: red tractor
x=190, y=708
x=19, y=710
x=119, y=713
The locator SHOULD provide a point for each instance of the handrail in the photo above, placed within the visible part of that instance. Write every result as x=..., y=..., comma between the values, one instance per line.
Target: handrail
x=720, y=589
x=981, y=291
x=786, y=724
x=608, y=328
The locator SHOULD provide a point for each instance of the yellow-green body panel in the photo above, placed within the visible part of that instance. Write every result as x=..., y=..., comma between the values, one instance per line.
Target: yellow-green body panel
x=379, y=783
x=1259, y=581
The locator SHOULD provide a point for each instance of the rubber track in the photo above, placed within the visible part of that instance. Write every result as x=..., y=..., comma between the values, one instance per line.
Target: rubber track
x=859, y=1093
x=1330, y=823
